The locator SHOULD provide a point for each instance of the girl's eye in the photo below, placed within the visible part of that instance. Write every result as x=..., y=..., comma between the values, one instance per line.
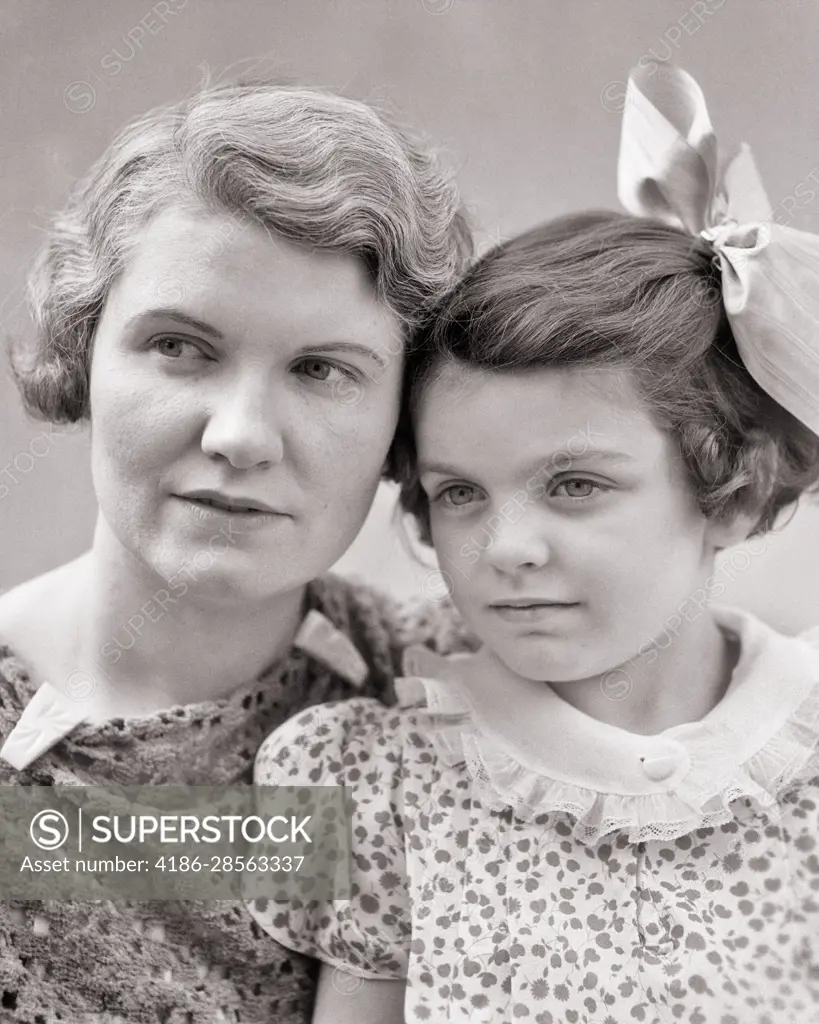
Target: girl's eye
x=323, y=371
x=579, y=488
x=458, y=495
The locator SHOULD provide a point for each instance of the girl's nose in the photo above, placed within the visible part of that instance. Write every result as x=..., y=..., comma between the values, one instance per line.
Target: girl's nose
x=518, y=545
x=244, y=428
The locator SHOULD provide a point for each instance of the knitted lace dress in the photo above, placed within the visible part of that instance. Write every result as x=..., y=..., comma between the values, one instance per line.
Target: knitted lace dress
x=164, y=962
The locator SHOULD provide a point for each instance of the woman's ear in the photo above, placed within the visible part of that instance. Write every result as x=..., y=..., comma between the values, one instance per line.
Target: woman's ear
x=728, y=533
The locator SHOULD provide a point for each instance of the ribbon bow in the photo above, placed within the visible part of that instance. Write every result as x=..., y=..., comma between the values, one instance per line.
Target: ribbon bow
x=669, y=169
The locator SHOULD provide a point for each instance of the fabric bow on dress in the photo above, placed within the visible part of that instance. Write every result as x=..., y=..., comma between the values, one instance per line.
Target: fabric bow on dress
x=669, y=169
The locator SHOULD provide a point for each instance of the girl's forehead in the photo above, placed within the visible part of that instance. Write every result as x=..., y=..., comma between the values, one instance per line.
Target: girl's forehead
x=467, y=410
x=549, y=393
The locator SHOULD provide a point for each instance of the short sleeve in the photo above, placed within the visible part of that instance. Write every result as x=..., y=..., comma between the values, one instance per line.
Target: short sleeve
x=355, y=743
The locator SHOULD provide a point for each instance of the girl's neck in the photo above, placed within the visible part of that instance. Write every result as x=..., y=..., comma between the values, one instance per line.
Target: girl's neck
x=143, y=650
x=661, y=688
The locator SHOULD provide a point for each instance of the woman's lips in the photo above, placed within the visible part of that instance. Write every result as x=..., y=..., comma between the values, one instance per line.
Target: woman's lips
x=232, y=509
x=234, y=503
x=212, y=510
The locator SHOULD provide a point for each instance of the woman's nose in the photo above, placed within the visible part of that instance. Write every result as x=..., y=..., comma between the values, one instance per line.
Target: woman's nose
x=518, y=545
x=244, y=427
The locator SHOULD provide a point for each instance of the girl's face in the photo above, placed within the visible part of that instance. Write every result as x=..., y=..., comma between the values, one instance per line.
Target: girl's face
x=244, y=392
x=561, y=515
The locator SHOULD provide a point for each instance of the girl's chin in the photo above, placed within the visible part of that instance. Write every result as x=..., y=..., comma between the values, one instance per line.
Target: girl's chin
x=549, y=663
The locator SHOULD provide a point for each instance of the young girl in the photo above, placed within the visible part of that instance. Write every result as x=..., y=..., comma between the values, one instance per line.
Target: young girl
x=609, y=812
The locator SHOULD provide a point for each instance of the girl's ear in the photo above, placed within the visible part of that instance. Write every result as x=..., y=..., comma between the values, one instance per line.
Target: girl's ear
x=726, y=534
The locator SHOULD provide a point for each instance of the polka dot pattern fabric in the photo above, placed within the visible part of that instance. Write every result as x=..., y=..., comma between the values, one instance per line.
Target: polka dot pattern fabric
x=495, y=915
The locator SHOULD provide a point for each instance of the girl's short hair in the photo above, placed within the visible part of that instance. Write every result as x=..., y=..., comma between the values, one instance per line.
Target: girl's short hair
x=610, y=290
x=316, y=168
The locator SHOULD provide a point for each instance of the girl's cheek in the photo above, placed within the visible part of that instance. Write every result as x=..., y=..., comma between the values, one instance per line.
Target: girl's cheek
x=470, y=553
x=452, y=540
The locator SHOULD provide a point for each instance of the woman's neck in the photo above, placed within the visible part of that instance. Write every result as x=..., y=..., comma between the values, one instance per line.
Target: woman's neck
x=140, y=647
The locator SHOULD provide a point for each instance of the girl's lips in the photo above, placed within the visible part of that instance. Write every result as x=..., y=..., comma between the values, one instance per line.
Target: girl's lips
x=531, y=611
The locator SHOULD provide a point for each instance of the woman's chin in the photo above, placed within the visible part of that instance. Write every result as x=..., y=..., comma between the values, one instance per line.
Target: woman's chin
x=240, y=588
x=234, y=576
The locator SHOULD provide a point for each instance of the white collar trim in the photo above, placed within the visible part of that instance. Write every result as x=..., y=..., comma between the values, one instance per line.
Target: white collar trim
x=760, y=737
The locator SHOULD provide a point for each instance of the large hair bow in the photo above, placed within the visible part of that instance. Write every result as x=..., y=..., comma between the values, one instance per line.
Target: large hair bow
x=669, y=168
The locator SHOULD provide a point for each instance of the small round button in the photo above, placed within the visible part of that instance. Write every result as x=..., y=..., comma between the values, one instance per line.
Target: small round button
x=658, y=769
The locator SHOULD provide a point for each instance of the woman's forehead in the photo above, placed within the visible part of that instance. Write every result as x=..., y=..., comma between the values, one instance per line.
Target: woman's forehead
x=217, y=267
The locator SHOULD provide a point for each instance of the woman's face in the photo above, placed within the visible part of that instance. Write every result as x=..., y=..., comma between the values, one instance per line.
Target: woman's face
x=244, y=393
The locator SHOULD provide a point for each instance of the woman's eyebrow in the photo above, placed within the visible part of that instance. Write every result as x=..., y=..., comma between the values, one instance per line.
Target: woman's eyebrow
x=169, y=313
x=589, y=455
x=353, y=347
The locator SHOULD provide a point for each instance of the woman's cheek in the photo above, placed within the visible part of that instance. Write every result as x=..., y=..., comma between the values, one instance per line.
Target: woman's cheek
x=360, y=437
x=140, y=432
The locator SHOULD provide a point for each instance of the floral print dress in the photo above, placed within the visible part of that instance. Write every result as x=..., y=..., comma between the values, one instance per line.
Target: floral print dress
x=577, y=873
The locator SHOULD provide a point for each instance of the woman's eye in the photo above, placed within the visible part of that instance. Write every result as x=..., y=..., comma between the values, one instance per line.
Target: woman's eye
x=323, y=371
x=579, y=488
x=174, y=348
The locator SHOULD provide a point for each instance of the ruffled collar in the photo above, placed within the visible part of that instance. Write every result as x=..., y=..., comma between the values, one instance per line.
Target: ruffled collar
x=762, y=736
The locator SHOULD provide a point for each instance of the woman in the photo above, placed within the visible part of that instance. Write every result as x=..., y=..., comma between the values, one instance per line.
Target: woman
x=225, y=300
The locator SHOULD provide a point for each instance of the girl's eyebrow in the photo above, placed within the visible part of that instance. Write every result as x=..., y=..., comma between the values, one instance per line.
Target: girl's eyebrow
x=559, y=461
x=169, y=313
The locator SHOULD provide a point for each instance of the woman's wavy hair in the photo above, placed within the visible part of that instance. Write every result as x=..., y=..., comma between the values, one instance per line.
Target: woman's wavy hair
x=312, y=166
x=608, y=290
